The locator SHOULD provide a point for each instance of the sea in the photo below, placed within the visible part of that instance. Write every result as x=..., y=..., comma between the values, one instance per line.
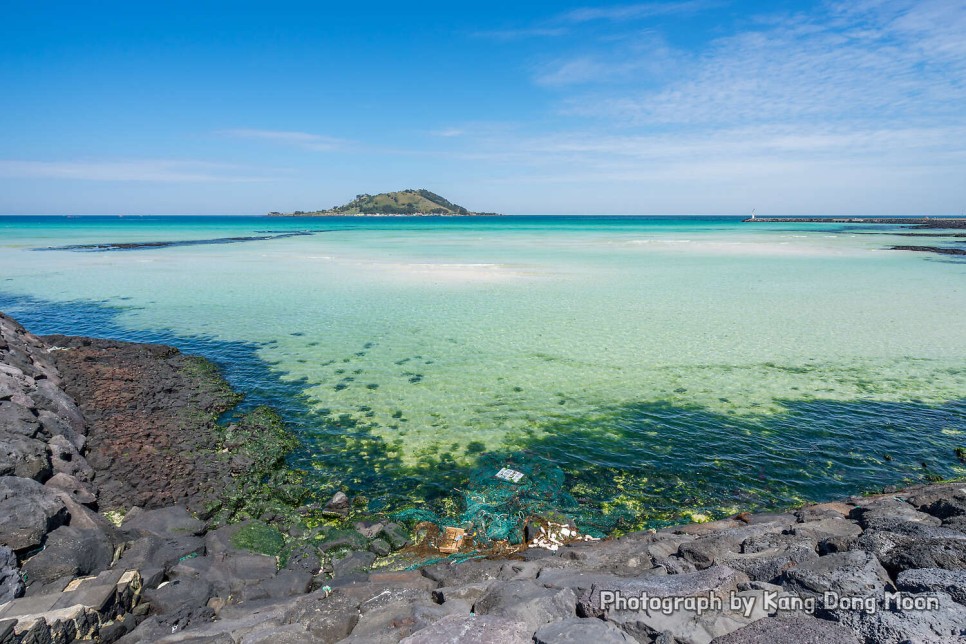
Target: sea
x=672, y=368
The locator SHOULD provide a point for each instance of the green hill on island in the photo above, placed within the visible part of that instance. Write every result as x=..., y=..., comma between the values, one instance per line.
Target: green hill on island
x=404, y=202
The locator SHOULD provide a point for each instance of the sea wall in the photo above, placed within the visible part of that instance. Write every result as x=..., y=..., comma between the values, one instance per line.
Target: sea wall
x=117, y=524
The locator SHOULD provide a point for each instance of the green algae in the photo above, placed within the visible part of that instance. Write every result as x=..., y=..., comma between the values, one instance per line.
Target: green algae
x=266, y=485
x=259, y=537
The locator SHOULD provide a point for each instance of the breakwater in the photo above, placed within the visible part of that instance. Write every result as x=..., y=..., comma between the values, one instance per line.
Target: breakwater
x=921, y=222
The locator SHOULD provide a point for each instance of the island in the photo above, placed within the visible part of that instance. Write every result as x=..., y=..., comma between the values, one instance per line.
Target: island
x=403, y=203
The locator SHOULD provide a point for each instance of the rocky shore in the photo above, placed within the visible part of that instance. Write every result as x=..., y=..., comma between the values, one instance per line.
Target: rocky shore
x=128, y=513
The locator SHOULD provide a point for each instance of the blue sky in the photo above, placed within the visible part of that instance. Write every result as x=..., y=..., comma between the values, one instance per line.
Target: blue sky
x=690, y=106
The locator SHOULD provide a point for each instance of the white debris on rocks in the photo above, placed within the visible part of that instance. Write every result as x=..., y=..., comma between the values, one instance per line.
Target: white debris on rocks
x=551, y=536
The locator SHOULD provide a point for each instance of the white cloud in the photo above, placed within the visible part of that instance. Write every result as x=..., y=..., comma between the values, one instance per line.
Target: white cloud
x=151, y=170
x=449, y=132
x=645, y=57
x=303, y=140
x=633, y=11
x=523, y=33
x=889, y=62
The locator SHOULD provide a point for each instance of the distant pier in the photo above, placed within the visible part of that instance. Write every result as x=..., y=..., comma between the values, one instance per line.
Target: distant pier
x=921, y=222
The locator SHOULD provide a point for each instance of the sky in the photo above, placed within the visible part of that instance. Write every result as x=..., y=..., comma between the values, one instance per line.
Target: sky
x=673, y=107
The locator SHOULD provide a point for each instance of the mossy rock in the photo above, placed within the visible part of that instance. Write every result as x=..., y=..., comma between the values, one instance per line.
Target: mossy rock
x=259, y=537
x=396, y=535
x=348, y=540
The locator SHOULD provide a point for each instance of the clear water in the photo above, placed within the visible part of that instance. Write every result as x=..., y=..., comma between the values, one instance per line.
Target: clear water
x=669, y=365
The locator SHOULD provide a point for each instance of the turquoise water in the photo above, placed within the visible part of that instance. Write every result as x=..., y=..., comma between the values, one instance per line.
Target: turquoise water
x=670, y=366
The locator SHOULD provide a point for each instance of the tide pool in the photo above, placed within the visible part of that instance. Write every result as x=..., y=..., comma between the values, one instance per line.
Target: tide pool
x=670, y=366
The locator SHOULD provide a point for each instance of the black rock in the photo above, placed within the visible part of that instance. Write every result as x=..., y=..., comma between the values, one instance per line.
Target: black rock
x=28, y=511
x=351, y=563
x=856, y=573
x=177, y=595
x=581, y=631
x=153, y=552
x=304, y=559
x=337, y=505
x=928, y=580
x=11, y=584
x=380, y=547
x=798, y=629
x=172, y=521
x=69, y=551
x=396, y=535
x=528, y=602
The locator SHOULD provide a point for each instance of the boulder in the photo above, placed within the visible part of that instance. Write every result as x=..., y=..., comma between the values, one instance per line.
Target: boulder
x=172, y=521
x=929, y=580
x=352, y=563
x=19, y=419
x=769, y=565
x=49, y=396
x=79, y=492
x=581, y=581
x=580, y=631
x=945, y=625
x=395, y=534
x=219, y=542
x=336, y=539
x=329, y=617
x=717, y=579
x=380, y=547
x=153, y=552
x=233, y=573
x=833, y=510
x=472, y=628
x=65, y=458
x=304, y=558
x=28, y=511
x=527, y=602
x=468, y=593
x=938, y=548
x=885, y=514
x=11, y=584
x=941, y=501
x=719, y=546
x=70, y=552
x=287, y=583
x=798, y=629
x=827, y=528
x=24, y=457
x=338, y=505
x=684, y=624
x=54, y=425
x=176, y=595
x=856, y=573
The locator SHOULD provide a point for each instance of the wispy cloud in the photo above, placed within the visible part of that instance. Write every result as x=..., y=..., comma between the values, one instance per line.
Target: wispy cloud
x=149, y=170
x=859, y=61
x=303, y=140
x=449, y=132
x=565, y=24
x=644, y=58
x=638, y=11
x=523, y=33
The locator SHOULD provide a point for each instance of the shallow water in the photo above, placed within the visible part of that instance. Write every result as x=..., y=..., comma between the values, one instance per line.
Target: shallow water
x=669, y=365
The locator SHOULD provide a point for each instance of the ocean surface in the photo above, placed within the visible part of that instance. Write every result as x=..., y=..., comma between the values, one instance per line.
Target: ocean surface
x=671, y=367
